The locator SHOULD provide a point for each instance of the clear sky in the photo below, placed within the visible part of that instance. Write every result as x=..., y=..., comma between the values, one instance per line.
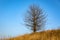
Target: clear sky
x=12, y=14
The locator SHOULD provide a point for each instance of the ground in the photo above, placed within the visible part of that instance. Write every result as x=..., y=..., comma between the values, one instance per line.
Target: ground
x=43, y=35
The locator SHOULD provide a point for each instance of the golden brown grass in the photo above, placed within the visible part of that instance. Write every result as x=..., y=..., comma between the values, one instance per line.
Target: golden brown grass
x=44, y=35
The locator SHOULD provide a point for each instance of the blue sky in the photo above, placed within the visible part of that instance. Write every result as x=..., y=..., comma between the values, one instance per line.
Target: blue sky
x=12, y=14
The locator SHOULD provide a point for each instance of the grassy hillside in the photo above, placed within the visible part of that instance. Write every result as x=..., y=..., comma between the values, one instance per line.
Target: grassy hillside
x=44, y=35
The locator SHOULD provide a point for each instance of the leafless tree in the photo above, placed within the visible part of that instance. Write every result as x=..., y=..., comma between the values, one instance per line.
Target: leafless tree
x=35, y=18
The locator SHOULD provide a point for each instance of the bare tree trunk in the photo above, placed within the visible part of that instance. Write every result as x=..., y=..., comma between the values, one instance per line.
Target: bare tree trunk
x=34, y=29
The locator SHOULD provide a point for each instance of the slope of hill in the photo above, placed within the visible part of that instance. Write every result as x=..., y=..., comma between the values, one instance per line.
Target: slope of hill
x=44, y=35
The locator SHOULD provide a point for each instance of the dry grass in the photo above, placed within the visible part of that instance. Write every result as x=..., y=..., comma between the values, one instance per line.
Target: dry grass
x=44, y=35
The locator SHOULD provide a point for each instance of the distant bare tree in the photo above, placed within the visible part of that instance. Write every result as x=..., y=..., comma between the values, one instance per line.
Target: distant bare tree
x=35, y=18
